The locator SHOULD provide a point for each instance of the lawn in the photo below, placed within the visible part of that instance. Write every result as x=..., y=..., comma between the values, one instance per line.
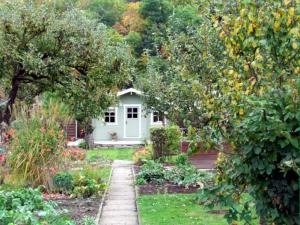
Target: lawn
x=179, y=209
x=110, y=154
x=176, y=209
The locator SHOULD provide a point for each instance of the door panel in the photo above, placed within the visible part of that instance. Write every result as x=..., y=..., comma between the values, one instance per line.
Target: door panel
x=132, y=121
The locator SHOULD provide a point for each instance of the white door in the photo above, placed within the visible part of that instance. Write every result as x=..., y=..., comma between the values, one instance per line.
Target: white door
x=132, y=119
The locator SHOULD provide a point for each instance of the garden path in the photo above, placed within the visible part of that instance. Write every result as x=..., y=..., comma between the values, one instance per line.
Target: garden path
x=120, y=204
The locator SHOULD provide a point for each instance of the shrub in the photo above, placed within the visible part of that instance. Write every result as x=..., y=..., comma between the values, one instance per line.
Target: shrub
x=37, y=144
x=166, y=141
x=63, y=183
x=151, y=172
x=182, y=159
x=86, y=187
x=26, y=206
x=88, y=182
x=266, y=160
x=187, y=175
x=159, y=140
x=173, y=140
x=84, y=145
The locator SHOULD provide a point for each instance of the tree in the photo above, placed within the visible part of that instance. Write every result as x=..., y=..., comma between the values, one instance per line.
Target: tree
x=45, y=50
x=108, y=12
x=156, y=11
x=132, y=19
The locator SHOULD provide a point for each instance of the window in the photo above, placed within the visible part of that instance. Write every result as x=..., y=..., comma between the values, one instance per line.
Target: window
x=110, y=116
x=156, y=118
x=132, y=113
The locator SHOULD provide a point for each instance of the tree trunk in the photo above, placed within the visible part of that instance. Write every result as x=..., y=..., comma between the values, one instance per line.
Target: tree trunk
x=15, y=85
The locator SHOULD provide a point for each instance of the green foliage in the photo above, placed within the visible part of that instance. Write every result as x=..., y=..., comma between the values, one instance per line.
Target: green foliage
x=158, y=136
x=151, y=172
x=187, y=175
x=63, y=183
x=88, y=220
x=173, y=139
x=108, y=12
x=36, y=147
x=183, y=19
x=85, y=186
x=182, y=159
x=26, y=206
x=166, y=141
x=89, y=181
x=156, y=11
x=83, y=145
x=60, y=51
x=182, y=175
x=134, y=39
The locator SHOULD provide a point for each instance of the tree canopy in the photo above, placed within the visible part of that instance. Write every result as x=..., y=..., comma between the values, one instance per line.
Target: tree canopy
x=43, y=49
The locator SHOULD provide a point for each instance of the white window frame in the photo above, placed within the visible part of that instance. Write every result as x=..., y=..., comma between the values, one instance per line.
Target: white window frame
x=158, y=122
x=116, y=116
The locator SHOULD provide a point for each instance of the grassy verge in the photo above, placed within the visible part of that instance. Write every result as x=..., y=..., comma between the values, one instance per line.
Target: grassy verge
x=179, y=209
x=110, y=154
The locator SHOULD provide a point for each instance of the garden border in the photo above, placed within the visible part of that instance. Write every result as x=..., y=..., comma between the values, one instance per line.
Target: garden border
x=97, y=220
x=136, y=196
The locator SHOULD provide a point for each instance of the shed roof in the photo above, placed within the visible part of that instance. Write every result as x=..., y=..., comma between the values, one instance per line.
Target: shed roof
x=129, y=90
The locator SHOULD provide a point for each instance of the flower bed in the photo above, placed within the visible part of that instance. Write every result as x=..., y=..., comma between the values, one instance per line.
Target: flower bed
x=154, y=178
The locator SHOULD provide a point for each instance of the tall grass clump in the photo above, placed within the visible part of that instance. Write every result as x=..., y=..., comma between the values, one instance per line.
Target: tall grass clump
x=36, y=147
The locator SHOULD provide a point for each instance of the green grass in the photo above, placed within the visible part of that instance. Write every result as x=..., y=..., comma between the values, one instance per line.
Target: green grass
x=110, y=154
x=104, y=173
x=177, y=209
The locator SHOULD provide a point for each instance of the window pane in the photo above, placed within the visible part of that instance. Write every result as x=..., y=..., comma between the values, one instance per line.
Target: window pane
x=155, y=119
x=106, y=114
x=129, y=110
x=129, y=115
x=135, y=110
x=135, y=115
x=112, y=119
x=112, y=114
x=107, y=119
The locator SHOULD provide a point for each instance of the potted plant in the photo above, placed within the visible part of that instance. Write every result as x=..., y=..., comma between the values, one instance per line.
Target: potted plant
x=114, y=136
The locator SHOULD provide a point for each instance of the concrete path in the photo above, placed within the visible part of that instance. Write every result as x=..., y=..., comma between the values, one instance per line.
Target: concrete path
x=120, y=206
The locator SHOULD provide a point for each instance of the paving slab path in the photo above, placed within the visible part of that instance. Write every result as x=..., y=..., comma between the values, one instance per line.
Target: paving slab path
x=120, y=204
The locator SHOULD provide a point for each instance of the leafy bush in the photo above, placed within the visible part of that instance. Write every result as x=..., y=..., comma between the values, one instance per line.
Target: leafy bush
x=151, y=172
x=159, y=140
x=84, y=145
x=86, y=187
x=166, y=141
x=173, y=140
x=88, y=182
x=37, y=144
x=26, y=206
x=183, y=175
x=63, y=183
x=266, y=163
x=182, y=159
x=187, y=175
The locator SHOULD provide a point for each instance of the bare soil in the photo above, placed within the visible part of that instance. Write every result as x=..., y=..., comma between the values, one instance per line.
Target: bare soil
x=77, y=208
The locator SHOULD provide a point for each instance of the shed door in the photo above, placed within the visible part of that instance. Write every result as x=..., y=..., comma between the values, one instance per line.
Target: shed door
x=132, y=121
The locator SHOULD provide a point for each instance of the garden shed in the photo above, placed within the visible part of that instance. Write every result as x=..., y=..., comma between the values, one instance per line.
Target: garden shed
x=126, y=123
